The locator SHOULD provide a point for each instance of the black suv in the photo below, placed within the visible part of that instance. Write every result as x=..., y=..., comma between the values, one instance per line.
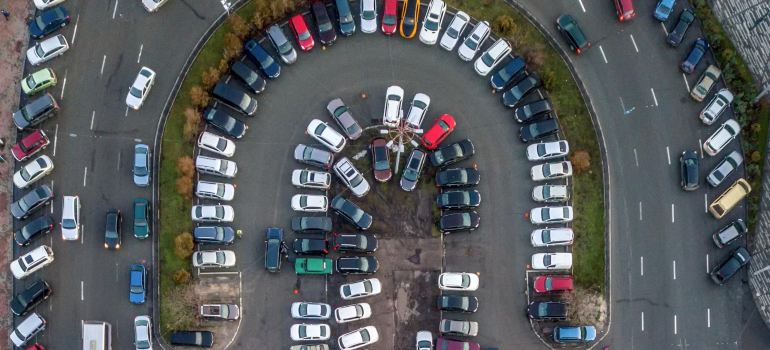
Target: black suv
x=311, y=224
x=688, y=170
x=247, y=76
x=315, y=246
x=235, y=98
x=351, y=212
x=30, y=297
x=458, y=199
x=225, y=123
x=533, y=111
x=456, y=222
x=359, y=265
x=35, y=112
x=213, y=235
x=33, y=230
x=547, y=311
x=203, y=339
x=452, y=154
x=356, y=243
x=458, y=177
x=31, y=202
x=513, y=96
x=509, y=73
x=738, y=259
x=324, y=24
x=112, y=236
x=273, y=244
x=538, y=130
x=458, y=303
x=345, y=17
x=572, y=32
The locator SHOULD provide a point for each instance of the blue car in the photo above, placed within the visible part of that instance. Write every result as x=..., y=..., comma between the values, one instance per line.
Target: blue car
x=48, y=22
x=138, y=287
x=262, y=59
x=663, y=9
x=695, y=55
x=574, y=334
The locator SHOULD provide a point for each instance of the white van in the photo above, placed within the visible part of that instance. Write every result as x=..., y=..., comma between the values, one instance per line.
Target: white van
x=97, y=335
x=31, y=326
x=217, y=167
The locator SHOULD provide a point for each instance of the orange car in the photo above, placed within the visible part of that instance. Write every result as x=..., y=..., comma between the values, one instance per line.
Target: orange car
x=409, y=14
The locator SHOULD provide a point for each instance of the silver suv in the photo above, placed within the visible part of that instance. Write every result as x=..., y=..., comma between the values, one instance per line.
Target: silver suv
x=35, y=260
x=281, y=44
x=27, y=329
x=351, y=177
x=724, y=168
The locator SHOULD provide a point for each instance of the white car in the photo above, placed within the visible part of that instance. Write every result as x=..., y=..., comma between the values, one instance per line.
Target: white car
x=33, y=171
x=726, y=167
x=353, y=312
x=300, y=332
x=431, y=25
x=351, y=177
x=550, y=215
x=138, y=91
x=548, y=237
x=327, y=136
x=360, y=289
x=550, y=171
x=417, y=110
x=551, y=193
x=215, y=190
x=393, y=99
x=311, y=179
x=311, y=311
x=472, y=43
x=47, y=49
x=143, y=333
x=453, y=32
x=213, y=258
x=460, y=281
x=547, y=150
x=309, y=203
x=718, y=104
x=424, y=340
x=29, y=263
x=552, y=261
x=368, y=16
x=217, y=144
x=212, y=213
x=153, y=5
x=44, y=4
x=358, y=338
x=492, y=57
x=70, y=218
x=717, y=141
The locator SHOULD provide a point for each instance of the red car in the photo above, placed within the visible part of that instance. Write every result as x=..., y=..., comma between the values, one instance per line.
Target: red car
x=381, y=159
x=389, y=17
x=438, y=132
x=553, y=284
x=624, y=9
x=30, y=145
x=36, y=347
x=301, y=33
x=448, y=344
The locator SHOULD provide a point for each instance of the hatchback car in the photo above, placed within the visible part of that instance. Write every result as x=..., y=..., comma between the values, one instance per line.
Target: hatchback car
x=142, y=168
x=143, y=333
x=327, y=136
x=431, y=24
x=381, y=159
x=458, y=328
x=410, y=12
x=225, y=123
x=417, y=110
x=663, y=9
x=33, y=230
x=112, y=229
x=449, y=344
x=358, y=265
x=315, y=332
x=262, y=59
x=688, y=171
x=726, y=167
x=394, y=97
x=273, y=244
x=360, y=289
x=313, y=266
x=458, y=281
x=313, y=156
x=551, y=193
x=460, y=199
x=344, y=119
x=311, y=246
x=411, y=174
x=716, y=107
x=572, y=33
x=457, y=303
x=30, y=297
x=326, y=32
x=351, y=213
x=473, y=42
x=424, y=340
x=34, y=142
x=32, y=172
x=214, y=190
x=217, y=144
x=351, y=177
x=509, y=73
x=706, y=82
x=693, y=58
x=390, y=9
x=552, y=261
x=212, y=213
x=350, y=313
x=281, y=44
x=574, y=334
x=550, y=171
x=685, y=20
x=48, y=22
x=248, y=77
x=452, y=154
x=310, y=311
x=539, y=130
x=70, y=218
x=368, y=16
x=27, y=329
x=213, y=258
x=139, y=90
x=547, y=311
x=547, y=150
x=44, y=4
x=47, y=49
x=213, y=235
x=549, y=237
x=533, y=111
x=301, y=32
x=311, y=203
x=311, y=224
x=303, y=178
x=720, y=138
x=527, y=85
x=345, y=17
x=358, y=338
x=137, y=284
x=492, y=57
x=31, y=202
x=38, y=81
x=438, y=132
x=553, y=284
x=31, y=262
x=454, y=30
x=729, y=233
x=458, y=177
x=458, y=222
x=551, y=215
x=355, y=243
x=35, y=112
x=730, y=266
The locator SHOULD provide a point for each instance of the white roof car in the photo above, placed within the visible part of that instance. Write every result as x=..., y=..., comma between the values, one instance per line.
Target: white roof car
x=417, y=110
x=138, y=91
x=720, y=138
x=44, y=4
x=548, y=215
x=724, y=168
x=311, y=311
x=212, y=213
x=213, y=258
x=305, y=331
x=353, y=312
x=492, y=57
x=549, y=171
x=424, y=340
x=47, y=49
x=548, y=237
x=431, y=25
x=27, y=329
x=309, y=203
x=458, y=281
x=326, y=135
x=153, y=5
x=33, y=171
x=552, y=261
x=358, y=338
x=215, y=190
x=351, y=177
x=472, y=43
x=368, y=16
x=360, y=289
x=455, y=29
x=547, y=150
x=718, y=104
x=215, y=166
x=143, y=333
x=29, y=263
x=393, y=99
x=551, y=193
x=70, y=218
x=311, y=179
x=217, y=144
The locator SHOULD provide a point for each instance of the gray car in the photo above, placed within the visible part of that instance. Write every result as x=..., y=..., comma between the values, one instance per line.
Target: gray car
x=313, y=156
x=281, y=44
x=142, y=165
x=458, y=328
x=726, y=167
x=412, y=170
x=344, y=119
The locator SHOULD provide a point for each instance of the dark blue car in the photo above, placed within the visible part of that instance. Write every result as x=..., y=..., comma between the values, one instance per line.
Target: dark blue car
x=695, y=55
x=509, y=73
x=48, y=22
x=138, y=287
x=263, y=60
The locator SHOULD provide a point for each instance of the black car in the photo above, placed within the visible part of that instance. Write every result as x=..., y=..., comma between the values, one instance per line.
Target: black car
x=688, y=169
x=33, y=230
x=35, y=112
x=572, y=33
x=457, y=222
x=548, y=311
x=235, y=98
x=457, y=303
x=359, y=265
x=311, y=224
x=30, y=297
x=48, y=22
x=247, y=76
x=112, y=236
x=225, y=123
x=459, y=199
x=509, y=73
x=213, y=235
x=685, y=20
x=262, y=59
x=203, y=339
x=356, y=243
x=513, y=96
x=533, y=111
x=737, y=259
x=351, y=212
x=324, y=24
x=458, y=177
x=412, y=170
x=273, y=243
x=31, y=202
x=315, y=246
x=538, y=130
x=345, y=17
x=452, y=154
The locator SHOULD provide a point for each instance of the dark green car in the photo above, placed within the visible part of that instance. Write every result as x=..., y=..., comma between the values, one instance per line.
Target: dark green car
x=313, y=266
x=571, y=31
x=141, y=218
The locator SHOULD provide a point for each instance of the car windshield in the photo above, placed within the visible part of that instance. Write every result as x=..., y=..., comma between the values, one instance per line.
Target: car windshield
x=23, y=204
x=136, y=289
x=542, y=309
x=566, y=212
x=222, y=144
x=220, y=258
x=451, y=32
x=548, y=283
x=23, y=301
x=364, y=264
x=487, y=59
x=546, y=236
x=303, y=201
x=267, y=61
x=285, y=48
x=504, y=74
x=432, y=23
x=533, y=130
x=547, y=260
x=31, y=81
x=347, y=18
x=365, y=335
x=356, y=180
x=220, y=211
x=466, y=219
x=380, y=153
x=540, y=149
x=546, y=214
x=664, y=8
x=389, y=20
x=220, y=190
x=304, y=35
x=546, y=192
x=39, y=50
x=368, y=15
x=546, y=170
x=135, y=92
x=25, y=174
x=40, y=23
x=472, y=42
x=68, y=224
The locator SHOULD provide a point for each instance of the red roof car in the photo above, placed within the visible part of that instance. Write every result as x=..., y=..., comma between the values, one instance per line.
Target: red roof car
x=389, y=17
x=624, y=9
x=36, y=347
x=30, y=145
x=448, y=344
x=553, y=284
x=301, y=33
x=438, y=132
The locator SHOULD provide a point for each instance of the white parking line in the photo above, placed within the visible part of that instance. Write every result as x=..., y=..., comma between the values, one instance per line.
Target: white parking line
x=642, y=320
x=634, y=41
x=85, y=174
x=82, y=232
x=126, y=115
x=622, y=105
x=706, y=202
x=653, y=97
x=63, y=85
x=708, y=317
x=674, y=269
x=75, y=32
x=140, y=53
x=636, y=159
x=664, y=28
x=55, y=139
x=603, y=56
x=93, y=114
x=685, y=82
x=641, y=258
x=700, y=143
x=707, y=263
x=115, y=10
x=119, y=153
x=672, y=212
x=640, y=211
x=52, y=202
x=674, y=324
x=103, y=60
x=581, y=5
x=668, y=154
x=81, y=291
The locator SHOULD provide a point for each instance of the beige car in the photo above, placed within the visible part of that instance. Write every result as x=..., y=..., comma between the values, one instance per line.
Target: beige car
x=706, y=82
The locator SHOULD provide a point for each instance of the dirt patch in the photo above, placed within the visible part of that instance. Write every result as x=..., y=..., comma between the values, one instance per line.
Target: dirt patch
x=587, y=307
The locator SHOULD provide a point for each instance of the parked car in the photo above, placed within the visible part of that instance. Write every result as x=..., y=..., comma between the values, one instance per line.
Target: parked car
x=327, y=136
x=525, y=86
x=213, y=258
x=358, y=338
x=548, y=150
x=551, y=193
x=449, y=344
x=350, y=313
x=720, y=138
x=142, y=165
x=351, y=177
x=459, y=199
x=248, y=77
x=685, y=20
x=554, y=284
x=730, y=266
x=112, y=229
x=38, y=81
x=31, y=202
x=29, y=145
x=139, y=90
x=431, y=24
x=509, y=73
x=33, y=172
x=452, y=154
x=359, y=265
x=424, y=340
x=304, y=178
x=310, y=347
x=474, y=41
x=141, y=218
x=716, y=107
x=438, y=132
x=390, y=11
x=310, y=311
x=137, y=287
x=216, y=167
x=33, y=230
x=212, y=213
x=203, y=339
x=552, y=261
x=458, y=281
x=237, y=99
x=688, y=170
x=326, y=32
x=213, y=235
x=214, y=190
x=572, y=33
x=492, y=57
x=574, y=334
x=262, y=59
x=410, y=12
x=368, y=16
x=315, y=332
x=550, y=171
x=663, y=9
x=281, y=44
x=454, y=30
x=35, y=112
x=458, y=328
x=394, y=97
x=312, y=203
x=27, y=329
x=313, y=156
x=216, y=144
x=729, y=233
x=31, y=262
x=533, y=111
x=457, y=303
x=301, y=32
x=44, y=4
x=693, y=58
x=224, y=123
x=142, y=333
x=456, y=222
x=360, y=289
x=549, y=237
x=311, y=246
x=273, y=243
x=411, y=174
x=726, y=167
x=30, y=297
x=344, y=119
x=153, y=5
x=345, y=17
x=355, y=242
x=538, y=130
x=381, y=159
x=313, y=266
x=549, y=215
x=417, y=110
x=311, y=224
x=48, y=22
x=351, y=213
x=47, y=49
x=458, y=177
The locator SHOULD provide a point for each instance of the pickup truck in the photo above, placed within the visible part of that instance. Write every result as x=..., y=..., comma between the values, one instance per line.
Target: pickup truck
x=220, y=311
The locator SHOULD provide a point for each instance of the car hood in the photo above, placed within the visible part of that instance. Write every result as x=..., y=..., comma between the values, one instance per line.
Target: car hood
x=141, y=231
x=368, y=26
x=133, y=101
x=16, y=210
x=536, y=214
x=20, y=121
x=72, y=234
x=32, y=56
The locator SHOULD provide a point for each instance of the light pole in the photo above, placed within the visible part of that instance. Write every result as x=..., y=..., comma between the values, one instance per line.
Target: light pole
x=400, y=135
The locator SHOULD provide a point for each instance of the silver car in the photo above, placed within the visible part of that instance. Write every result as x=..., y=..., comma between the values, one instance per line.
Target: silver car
x=551, y=193
x=311, y=179
x=142, y=168
x=344, y=119
x=351, y=177
x=281, y=44
x=474, y=41
x=313, y=156
x=47, y=49
x=139, y=90
x=412, y=170
x=716, y=107
x=417, y=110
x=458, y=328
x=453, y=32
x=726, y=167
x=311, y=311
x=552, y=237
